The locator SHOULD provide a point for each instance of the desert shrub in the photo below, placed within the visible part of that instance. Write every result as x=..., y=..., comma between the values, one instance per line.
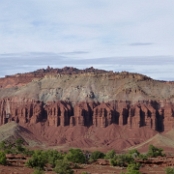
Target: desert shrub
x=110, y=154
x=75, y=156
x=134, y=153
x=63, y=167
x=19, y=145
x=53, y=156
x=15, y=147
x=154, y=151
x=2, y=158
x=38, y=160
x=122, y=160
x=38, y=171
x=143, y=157
x=7, y=147
x=28, y=152
x=113, y=162
x=2, y=146
x=128, y=158
x=96, y=155
x=169, y=170
x=133, y=168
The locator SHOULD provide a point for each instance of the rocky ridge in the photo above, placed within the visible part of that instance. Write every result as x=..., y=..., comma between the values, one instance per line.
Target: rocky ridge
x=91, y=99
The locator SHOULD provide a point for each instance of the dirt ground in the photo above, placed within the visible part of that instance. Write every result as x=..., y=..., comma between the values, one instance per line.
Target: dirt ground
x=92, y=169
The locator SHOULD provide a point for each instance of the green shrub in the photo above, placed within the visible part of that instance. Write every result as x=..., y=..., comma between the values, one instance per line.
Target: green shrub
x=143, y=157
x=38, y=160
x=133, y=168
x=113, y=162
x=19, y=145
x=16, y=147
x=154, y=151
x=28, y=152
x=7, y=147
x=2, y=158
x=110, y=154
x=134, y=153
x=63, y=167
x=169, y=170
x=122, y=160
x=96, y=155
x=53, y=156
x=2, y=146
x=75, y=156
x=37, y=171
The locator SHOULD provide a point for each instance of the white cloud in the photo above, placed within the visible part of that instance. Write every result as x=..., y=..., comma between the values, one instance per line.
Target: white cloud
x=159, y=67
x=102, y=28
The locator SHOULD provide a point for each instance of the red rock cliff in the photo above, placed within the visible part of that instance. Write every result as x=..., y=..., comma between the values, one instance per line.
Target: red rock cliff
x=60, y=113
x=72, y=97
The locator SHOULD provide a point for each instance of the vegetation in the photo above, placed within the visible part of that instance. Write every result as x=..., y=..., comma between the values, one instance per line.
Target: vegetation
x=75, y=156
x=96, y=155
x=121, y=160
x=111, y=154
x=169, y=170
x=16, y=147
x=38, y=171
x=38, y=160
x=143, y=157
x=63, y=167
x=2, y=158
x=154, y=151
x=133, y=168
x=134, y=153
x=63, y=163
x=52, y=156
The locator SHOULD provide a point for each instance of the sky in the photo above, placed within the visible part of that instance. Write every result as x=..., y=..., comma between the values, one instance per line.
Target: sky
x=119, y=35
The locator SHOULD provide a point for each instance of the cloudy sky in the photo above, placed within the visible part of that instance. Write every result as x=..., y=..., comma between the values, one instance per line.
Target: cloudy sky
x=118, y=35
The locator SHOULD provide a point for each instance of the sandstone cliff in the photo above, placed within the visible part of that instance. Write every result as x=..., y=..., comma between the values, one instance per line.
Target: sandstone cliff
x=92, y=99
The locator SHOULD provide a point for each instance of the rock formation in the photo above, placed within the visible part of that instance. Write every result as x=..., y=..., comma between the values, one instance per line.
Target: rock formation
x=58, y=113
x=24, y=112
x=61, y=113
x=70, y=97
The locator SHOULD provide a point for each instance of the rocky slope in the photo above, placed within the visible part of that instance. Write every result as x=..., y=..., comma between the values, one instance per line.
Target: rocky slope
x=88, y=108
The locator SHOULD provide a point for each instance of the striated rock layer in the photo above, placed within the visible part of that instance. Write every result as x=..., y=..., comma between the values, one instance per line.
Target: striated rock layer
x=61, y=113
x=65, y=99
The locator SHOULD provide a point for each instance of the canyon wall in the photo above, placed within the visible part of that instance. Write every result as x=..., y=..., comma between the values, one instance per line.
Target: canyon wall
x=156, y=116
x=89, y=97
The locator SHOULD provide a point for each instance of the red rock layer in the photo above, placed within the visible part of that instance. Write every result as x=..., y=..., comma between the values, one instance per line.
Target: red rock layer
x=24, y=112
x=142, y=114
x=22, y=79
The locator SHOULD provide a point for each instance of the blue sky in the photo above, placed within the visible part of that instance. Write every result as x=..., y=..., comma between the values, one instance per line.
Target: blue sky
x=118, y=35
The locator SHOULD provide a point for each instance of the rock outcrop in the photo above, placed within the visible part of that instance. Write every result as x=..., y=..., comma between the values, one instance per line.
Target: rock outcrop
x=21, y=112
x=101, y=115
x=93, y=99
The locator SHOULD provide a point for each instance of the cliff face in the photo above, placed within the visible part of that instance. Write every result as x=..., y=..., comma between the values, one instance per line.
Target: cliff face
x=89, y=98
x=61, y=113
